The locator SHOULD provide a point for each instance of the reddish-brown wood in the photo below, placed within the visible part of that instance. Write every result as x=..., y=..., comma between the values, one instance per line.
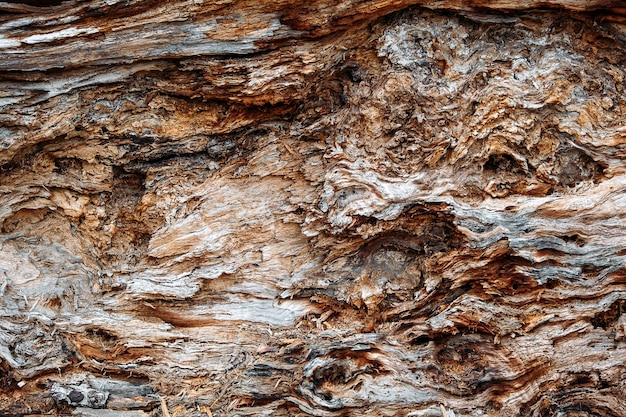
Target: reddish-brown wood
x=244, y=208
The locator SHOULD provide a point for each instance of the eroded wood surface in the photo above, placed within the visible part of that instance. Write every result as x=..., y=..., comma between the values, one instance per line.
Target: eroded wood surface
x=390, y=208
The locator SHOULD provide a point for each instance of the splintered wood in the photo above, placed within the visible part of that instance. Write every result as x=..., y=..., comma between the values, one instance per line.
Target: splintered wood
x=358, y=208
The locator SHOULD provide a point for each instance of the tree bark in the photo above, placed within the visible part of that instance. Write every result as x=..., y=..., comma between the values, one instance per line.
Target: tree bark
x=247, y=208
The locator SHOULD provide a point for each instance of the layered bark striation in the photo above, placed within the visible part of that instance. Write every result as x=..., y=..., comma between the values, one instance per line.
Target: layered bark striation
x=366, y=208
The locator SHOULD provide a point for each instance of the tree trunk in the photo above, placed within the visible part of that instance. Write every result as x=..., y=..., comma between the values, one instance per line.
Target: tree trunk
x=356, y=208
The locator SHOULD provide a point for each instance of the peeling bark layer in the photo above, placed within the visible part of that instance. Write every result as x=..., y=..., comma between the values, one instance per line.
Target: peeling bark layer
x=391, y=208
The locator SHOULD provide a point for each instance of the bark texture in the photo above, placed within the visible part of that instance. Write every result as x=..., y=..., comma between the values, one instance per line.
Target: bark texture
x=248, y=208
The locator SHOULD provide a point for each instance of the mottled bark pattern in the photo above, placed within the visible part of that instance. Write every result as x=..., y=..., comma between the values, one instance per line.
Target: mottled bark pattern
x=249, y=208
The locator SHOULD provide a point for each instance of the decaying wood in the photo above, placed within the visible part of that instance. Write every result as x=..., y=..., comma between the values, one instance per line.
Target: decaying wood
x=384, y=207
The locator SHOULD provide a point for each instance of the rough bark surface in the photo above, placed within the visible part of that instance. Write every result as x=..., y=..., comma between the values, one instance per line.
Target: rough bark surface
x=248, y=208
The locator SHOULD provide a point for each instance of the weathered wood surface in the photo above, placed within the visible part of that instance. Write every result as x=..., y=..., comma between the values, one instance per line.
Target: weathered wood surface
x=385, y=207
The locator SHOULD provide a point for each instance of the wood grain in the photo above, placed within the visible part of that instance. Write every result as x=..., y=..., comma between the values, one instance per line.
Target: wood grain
x=242, y=208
